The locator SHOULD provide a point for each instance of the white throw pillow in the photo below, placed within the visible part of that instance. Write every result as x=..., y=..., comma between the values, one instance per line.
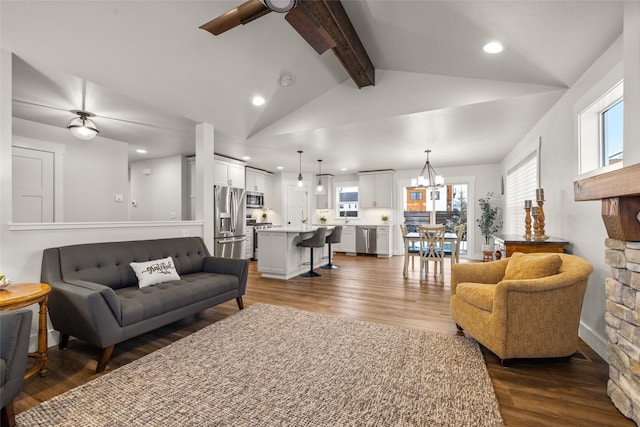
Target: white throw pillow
x=155, y=271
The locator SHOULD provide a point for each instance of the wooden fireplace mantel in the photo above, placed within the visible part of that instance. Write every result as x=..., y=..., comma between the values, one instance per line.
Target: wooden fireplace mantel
x=619, y=191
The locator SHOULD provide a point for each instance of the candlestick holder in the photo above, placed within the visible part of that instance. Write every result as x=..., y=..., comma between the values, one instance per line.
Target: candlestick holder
x=527, y=223
x=536, y=224
x=540, y=220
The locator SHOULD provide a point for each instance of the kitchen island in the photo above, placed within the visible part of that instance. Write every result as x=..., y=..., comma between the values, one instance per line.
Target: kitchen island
x=279, y=257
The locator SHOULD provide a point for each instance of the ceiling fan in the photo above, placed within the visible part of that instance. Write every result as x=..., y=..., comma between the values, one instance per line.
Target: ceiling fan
x=324, y=24
x=81, y=124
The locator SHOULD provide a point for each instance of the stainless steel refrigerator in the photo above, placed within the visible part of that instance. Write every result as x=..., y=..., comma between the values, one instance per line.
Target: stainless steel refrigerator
x=229, y=228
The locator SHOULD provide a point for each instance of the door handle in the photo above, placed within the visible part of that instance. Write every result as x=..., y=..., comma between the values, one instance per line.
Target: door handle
x=236, y=240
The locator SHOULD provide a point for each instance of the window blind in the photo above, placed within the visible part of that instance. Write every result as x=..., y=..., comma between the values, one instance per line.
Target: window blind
x=520, y=186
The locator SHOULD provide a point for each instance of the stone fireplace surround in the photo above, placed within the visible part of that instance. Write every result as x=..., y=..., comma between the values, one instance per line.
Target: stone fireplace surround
x=620, y=194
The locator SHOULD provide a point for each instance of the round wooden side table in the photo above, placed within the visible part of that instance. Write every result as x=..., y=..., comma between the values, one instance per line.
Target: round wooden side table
x=18, y=295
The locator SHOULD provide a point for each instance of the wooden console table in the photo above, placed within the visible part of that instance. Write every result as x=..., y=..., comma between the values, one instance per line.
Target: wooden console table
x=515, y=243
x=18, y=295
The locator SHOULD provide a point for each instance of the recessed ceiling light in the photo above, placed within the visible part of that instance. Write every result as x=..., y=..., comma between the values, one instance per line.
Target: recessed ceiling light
x=246, y=158
x=258, y=101
x=280, y=167
x=344, y=169
x=493, y=47
x=141, y=151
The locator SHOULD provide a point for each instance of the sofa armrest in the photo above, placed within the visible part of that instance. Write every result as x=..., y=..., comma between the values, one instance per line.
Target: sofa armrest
x=107, y=293
x=86, y=310
x=236, y=267
x=481, y=272
x=15, y=328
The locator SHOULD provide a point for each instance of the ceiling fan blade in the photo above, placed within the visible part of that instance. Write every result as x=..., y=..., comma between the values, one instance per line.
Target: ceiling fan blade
x=35, y=104
x=138, y=123
x=243, y=14
x=309, y=28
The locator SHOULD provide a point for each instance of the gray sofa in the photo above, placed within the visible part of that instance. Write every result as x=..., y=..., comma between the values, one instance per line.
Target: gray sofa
x=15, y=326
x=95, y=294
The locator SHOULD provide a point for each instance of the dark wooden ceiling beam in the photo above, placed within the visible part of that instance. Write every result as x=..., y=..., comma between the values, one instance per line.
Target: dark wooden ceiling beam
x=332, y=17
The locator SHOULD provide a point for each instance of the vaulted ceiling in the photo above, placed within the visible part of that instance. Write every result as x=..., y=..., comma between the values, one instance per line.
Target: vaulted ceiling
x=148, y=65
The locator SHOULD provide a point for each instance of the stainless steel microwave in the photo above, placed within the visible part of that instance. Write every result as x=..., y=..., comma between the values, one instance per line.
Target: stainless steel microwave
x=255, y=200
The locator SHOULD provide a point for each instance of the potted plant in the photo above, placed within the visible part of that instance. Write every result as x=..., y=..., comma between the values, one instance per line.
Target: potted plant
x=488, y=221
x=323, y=220
x=384, y=218
x=264, y=216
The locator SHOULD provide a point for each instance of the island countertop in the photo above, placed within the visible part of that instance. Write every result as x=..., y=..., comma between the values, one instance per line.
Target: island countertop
x=293, y=229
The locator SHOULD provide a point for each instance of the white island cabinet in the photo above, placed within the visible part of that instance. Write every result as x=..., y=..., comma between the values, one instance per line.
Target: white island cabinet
x=280, y=257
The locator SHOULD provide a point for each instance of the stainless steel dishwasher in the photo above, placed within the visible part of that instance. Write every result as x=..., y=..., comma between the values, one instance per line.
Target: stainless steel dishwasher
x=366, y=240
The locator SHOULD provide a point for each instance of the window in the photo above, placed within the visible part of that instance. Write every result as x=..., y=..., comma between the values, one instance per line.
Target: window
x=612, y=129
x=416, y=195
x=520, y=186
x=347, y=201
x=600, y=128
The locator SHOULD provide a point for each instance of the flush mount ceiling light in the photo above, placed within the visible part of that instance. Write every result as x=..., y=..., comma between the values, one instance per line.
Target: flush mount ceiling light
x=258, y=101
x=493, y=47
x=428, y=177
x=280, y=6
x=81, y=127
x=319, y=186
x=300, y=183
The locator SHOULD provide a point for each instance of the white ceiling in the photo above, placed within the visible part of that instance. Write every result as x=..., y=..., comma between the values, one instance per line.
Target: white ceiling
x=148, y=64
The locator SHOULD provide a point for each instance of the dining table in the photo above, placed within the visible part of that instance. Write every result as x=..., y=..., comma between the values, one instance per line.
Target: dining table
x=412, y=237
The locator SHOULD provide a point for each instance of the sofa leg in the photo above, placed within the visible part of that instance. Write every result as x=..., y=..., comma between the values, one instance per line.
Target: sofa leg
x=240, y=303
x=64, y=341
x=104, y=358
x=8, y=417
x=459, y=327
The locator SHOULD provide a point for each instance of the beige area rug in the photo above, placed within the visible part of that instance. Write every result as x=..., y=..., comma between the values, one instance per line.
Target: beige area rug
x=275, y=366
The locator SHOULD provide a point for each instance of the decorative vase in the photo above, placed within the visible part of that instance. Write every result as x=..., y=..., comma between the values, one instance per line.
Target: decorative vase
x=487, y=253
x=487, y=248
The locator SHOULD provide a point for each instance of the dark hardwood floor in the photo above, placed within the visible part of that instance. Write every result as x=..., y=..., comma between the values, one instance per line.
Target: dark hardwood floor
x=567, y=392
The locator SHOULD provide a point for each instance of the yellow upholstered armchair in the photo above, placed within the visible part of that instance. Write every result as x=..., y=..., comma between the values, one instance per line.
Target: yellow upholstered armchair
x=525, y=306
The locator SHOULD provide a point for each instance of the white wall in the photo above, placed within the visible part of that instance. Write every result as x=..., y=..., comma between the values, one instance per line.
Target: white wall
x=89, y=185
x=157, y=187
x=578, y=222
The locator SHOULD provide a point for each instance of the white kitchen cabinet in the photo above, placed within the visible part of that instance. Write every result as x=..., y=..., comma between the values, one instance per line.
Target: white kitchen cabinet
x=348, y=240
x=384, y=247
x=375, y=190
x=255, y=181
x=325, y=201
x=227, y=173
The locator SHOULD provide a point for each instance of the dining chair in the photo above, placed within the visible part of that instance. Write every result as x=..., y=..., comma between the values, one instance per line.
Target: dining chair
x=455, y=256
x=432, y=248
x=410, y=249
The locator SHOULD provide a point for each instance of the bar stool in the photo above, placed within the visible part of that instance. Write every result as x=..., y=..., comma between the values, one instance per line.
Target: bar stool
x=315, y=241
x=334, y=237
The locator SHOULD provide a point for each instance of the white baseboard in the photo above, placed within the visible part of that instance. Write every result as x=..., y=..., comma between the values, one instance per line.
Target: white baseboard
x=594, y=340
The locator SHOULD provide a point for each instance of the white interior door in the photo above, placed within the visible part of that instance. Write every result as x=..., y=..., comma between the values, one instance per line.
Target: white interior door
x=297, y=204
x=32, y=185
